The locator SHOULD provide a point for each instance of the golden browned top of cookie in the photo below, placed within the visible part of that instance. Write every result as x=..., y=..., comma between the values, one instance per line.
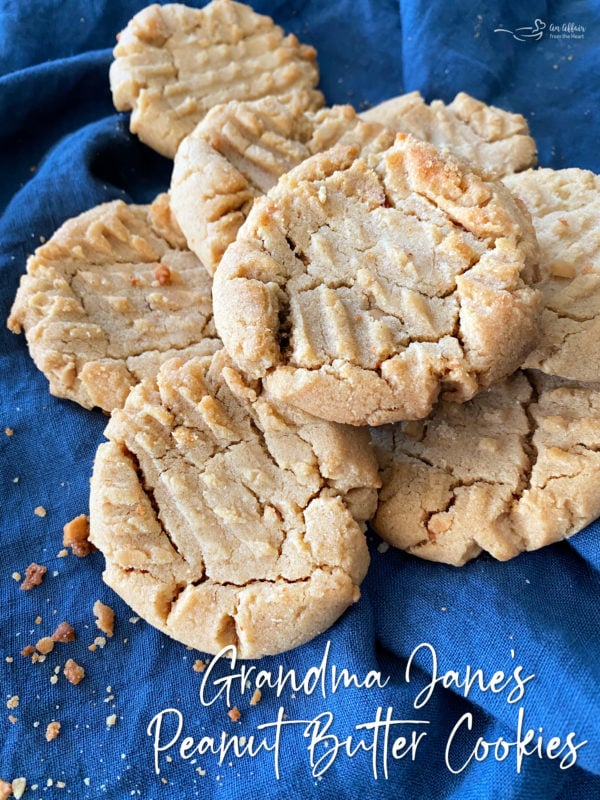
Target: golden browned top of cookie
x=361, y=288
x=565, y=208
x=213, y=496
x=495, y=141
x=513, y=469
x=113, y=293
x=173, y=63
x=238, y=152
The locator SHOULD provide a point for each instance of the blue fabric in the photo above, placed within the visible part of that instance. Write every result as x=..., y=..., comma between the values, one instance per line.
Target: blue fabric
x=420, y=630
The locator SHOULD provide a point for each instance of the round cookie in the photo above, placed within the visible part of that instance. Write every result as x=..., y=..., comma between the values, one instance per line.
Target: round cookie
x=514, y=469
x=565, y=209
x=237, y=153
x=361, y=290
x=494, y=141
x=226, y=518
x=172, y=63
x=109, y=297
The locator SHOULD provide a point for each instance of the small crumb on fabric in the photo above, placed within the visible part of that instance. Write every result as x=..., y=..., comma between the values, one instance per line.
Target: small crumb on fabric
x=105, y=618
x=38, y=620
x=40, y=511
x=16, y=576
x=73, y=672
x=9, y=431
x=256, y=697
x=64, y=633
x=28, y=650
x=199, y=665
x=234, y=714
x=18, y=786
x=13, y=701
x=45, y=645
x=52, y=730
x=111, y=720
x=75, y=536
x=34, y=575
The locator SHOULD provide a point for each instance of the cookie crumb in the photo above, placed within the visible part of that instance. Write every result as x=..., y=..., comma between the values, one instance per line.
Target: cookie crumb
x=199, y=665
x=73, y=672
x=234, y=714
x=28, y=650
x=64, y=633
x=5, y=790
x=111, y=720
x=45, y=645
x=162, y=274
x=34, y=575
x=38, y=620
x=9, y=659
x=52, y=731
x=16, y=576
x=256, y=697
x=105, y=618
x=12, y=718
x=18, y=786
x=62, y=553
x=9, y=431
x=13, y=701
x=75, y=536
x=40, y=511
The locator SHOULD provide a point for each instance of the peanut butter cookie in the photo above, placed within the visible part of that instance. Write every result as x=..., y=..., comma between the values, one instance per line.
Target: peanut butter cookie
x=360, y=289
x=227, y=518
x=564, y=206
x=494, y=141
x=173, y=63
x=514, y=469
x=110, y=296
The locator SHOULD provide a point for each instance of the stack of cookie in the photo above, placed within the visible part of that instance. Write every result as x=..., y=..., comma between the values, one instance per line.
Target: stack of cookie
x=330, y=318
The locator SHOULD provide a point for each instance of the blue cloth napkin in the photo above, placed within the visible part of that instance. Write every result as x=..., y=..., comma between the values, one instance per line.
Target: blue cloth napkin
x=480, y=682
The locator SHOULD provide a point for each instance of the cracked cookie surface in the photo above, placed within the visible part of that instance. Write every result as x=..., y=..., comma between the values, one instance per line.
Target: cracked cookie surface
x=495, y=141
x=109, y=297
x=227, y=518
x=238, y=152
x=173, y=63
x=514, y=469
x=360, y=289
x=565, y=208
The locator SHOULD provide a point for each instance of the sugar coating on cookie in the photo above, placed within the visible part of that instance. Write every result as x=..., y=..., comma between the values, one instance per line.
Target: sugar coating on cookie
x=495, y=141
x=226, y=518
x=362, y=289
x=565, y=209
x=238, y=152
x=514, y=469
x=173, y=63
x=111, y=295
